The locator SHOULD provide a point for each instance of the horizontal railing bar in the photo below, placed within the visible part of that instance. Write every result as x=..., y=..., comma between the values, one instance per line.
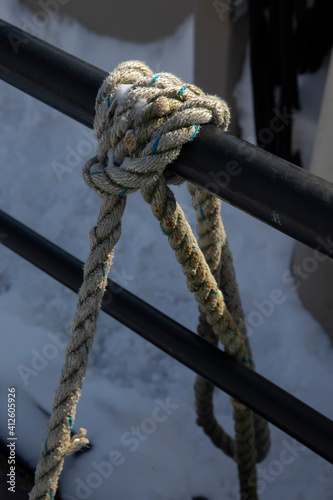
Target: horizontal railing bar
x=275, y=191
x=267, y=399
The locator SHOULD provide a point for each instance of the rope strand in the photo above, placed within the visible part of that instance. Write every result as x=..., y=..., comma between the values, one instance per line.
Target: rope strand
x=214, y=245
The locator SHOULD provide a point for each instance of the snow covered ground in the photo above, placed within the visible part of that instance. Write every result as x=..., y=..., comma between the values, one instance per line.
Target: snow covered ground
x=130, y=384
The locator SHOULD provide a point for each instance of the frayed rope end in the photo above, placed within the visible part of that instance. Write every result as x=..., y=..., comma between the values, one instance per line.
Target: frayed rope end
x=78, y=441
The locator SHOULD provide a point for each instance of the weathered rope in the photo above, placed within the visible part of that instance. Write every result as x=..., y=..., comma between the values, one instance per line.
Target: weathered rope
x=141, y=122
x=214, y=245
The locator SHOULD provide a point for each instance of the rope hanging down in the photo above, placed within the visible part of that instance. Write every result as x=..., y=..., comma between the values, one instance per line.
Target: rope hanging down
x=141, y=122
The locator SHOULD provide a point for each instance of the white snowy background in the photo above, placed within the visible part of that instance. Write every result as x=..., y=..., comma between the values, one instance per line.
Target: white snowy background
x=126, y=375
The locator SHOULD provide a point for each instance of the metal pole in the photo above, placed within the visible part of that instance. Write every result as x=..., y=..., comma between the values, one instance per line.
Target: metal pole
x=284, y=196
x=277, y=406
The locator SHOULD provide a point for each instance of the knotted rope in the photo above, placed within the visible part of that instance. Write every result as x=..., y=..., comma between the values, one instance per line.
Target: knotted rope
x=141, y=122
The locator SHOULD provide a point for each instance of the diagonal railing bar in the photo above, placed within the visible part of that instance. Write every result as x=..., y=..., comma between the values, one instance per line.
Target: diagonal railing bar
x=291, y=415
x=277, y=192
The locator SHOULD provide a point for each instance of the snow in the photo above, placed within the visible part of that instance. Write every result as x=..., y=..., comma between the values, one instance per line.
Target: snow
x=137, y=403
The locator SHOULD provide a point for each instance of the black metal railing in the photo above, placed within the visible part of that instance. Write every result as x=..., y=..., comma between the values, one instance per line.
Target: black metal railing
x=279, y=193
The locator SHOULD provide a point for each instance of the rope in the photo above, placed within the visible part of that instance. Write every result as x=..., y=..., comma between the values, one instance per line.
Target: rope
x=141, y=122
x=214, y=245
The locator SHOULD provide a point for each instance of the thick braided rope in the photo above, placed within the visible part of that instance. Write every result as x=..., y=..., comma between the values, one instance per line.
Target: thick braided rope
x=59, y=443
x=214, y=245
x=202, y=283
x=141, y=122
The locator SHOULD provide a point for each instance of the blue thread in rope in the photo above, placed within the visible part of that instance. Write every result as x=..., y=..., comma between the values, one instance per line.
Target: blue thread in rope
x=70, y=420
x=181, y=90
x=51, y=495
x=45, y=446
x=155, y=144
x=218, y=240
x=154, y=79
x=87, y=349
x=95, y=173
x=171, y=199
x=122, y=193
x=80, y=297
x=195, y=133
x=62, y=373
x=103, y=271
x=108, y=101
x=164, y=231
x=225, y=293
x=201, y=211
x=115, y=162
x=213, y=291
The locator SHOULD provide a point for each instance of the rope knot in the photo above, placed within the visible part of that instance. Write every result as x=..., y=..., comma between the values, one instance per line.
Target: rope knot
x=141, y=122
